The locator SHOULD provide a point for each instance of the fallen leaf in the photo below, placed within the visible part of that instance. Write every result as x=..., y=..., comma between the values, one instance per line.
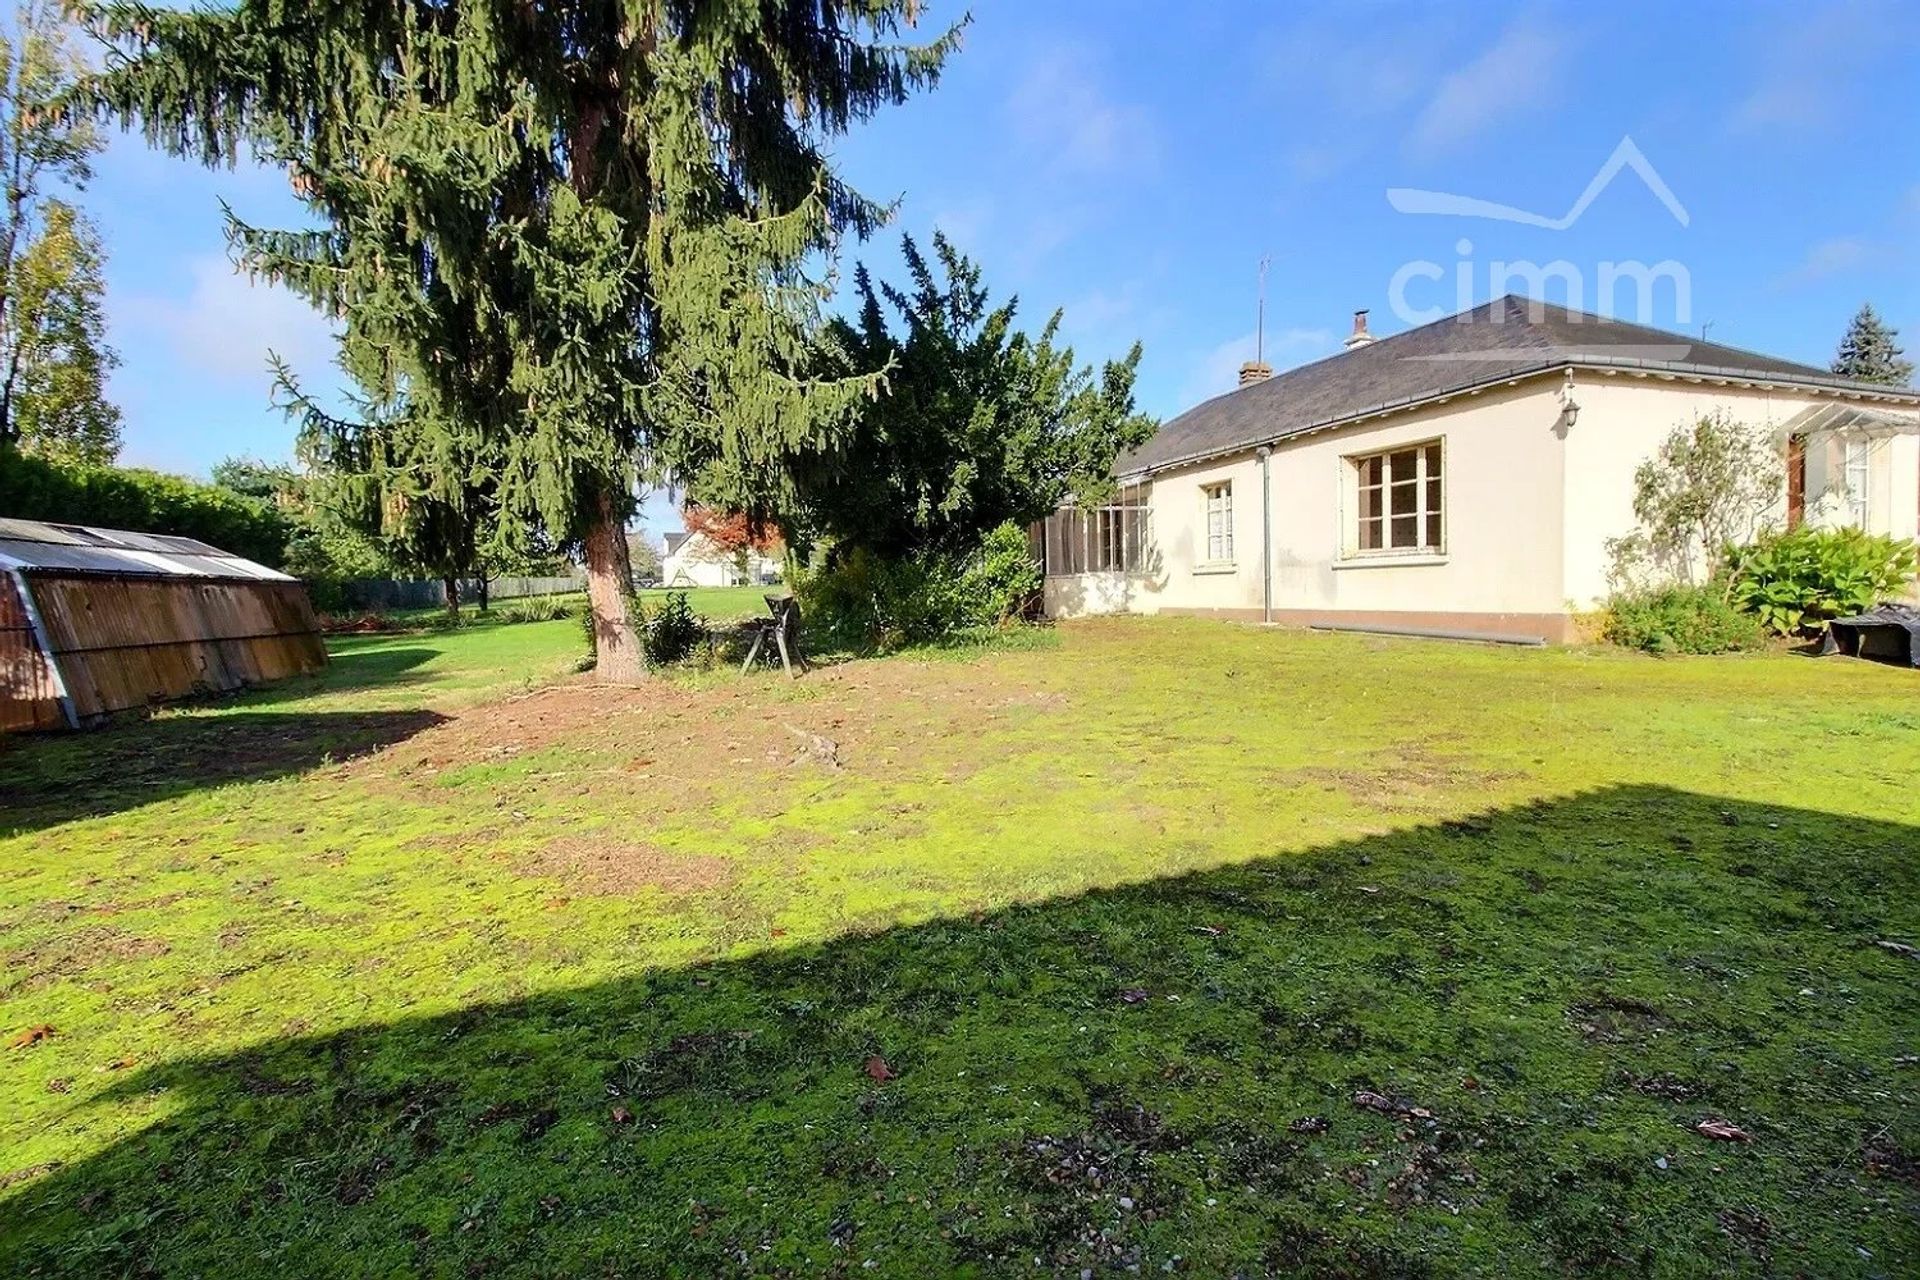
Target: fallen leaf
x=1723, y=1130
x=1308, y=1124
x=1211, y=930
x=878, y=1069
x=33, y=1035
x=1134, y=995
x=121, y=1064
x=1898, y=948
x=621, y=1115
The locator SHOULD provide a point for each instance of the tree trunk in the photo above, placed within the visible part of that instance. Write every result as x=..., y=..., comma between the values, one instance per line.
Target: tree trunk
x=616, y=644
x=450, y=585
x=485, y=590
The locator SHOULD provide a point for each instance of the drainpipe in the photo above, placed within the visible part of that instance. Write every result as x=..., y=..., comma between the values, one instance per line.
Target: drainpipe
x=1264, y=453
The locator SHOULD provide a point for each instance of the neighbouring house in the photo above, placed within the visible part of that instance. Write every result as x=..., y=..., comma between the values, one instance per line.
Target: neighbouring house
x=94, y=621
x=1464, y=476
x=696, y=560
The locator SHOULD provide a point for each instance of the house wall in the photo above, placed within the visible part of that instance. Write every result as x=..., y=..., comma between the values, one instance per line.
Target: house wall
x=699, y=563
x=1530, y=505
x=1500, y=569
x=1623, y=421
x=694, y=571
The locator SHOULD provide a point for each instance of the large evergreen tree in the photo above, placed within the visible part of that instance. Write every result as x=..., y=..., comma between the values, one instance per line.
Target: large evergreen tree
x=981, y=422
x=569, y=240
x=1869, y=353
x=418, y=491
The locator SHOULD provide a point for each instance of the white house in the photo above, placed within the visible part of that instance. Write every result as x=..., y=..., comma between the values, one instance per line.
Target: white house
x=1463, y=476
x=696, y=560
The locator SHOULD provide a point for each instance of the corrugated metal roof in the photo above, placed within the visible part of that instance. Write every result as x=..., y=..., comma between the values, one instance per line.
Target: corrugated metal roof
x=35, y=545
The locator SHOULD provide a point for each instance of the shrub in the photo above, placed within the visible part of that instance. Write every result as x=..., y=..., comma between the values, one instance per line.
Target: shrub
x=1797, y=581
x=535, y=609
x=1680, y=619
x=1003, y=581
x=1710, y=485
x=865, y=601
x=36, y=488
x=673, y=633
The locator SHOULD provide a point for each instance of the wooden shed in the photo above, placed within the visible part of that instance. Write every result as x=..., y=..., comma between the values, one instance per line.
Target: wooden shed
x=94, y=621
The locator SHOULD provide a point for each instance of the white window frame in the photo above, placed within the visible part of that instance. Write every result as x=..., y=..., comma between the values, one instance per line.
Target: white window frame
x=1424, y=514
x=1216, y=498
x=1114, y=538
x=1856, y=466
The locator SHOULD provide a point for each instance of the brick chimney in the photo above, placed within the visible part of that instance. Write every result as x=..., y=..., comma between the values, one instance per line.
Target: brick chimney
x=1255, y=371
x=1359, y=337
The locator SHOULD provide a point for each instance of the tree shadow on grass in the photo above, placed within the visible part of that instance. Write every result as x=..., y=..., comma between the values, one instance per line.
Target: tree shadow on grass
x=350, y=668
x=1482, y=1045
x=54, y=778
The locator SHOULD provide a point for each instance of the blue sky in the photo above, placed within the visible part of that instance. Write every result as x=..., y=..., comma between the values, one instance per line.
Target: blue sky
x=1133, y=162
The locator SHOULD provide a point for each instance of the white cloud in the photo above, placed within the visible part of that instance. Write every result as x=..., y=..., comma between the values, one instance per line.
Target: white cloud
x=1103, y=308
x=1514, y=77
x=1061, y=108
x=966, y=222
x=1217, y=371
x=1839, y=256
x=225, y=325
x=1817, y=69
x=1341, y=84
x=1356, y=70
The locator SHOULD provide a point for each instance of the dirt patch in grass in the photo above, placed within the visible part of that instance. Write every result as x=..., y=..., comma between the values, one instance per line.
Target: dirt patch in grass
x=1665, y=1085
x=73, y=952
x=609, y=867
x=1611, y=1019
x=868, y=718
x=1405, y=777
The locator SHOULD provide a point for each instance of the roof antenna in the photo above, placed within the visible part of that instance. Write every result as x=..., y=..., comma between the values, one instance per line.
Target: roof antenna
x=1703, y=330
x=1257, y=369
x=1260, y=324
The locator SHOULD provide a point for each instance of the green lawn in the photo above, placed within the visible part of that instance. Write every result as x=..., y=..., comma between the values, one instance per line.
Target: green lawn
x=1072, y=957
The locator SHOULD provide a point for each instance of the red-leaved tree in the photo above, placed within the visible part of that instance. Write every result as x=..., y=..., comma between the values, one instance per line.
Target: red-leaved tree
x=732, y=532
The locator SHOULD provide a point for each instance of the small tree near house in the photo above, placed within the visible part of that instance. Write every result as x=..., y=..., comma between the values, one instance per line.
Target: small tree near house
x=1714, y=484
x=643, y=556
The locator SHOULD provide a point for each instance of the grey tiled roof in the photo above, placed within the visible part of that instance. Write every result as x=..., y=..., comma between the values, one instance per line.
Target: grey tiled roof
x=1507, y=337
